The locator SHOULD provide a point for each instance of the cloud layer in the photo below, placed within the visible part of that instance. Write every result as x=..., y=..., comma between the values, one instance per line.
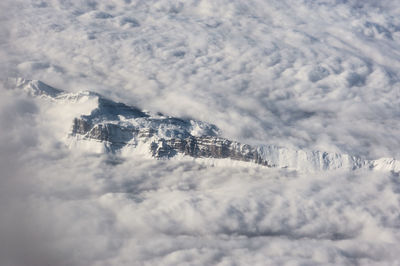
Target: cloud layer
x=64, y=207
x=314, y=74
x=320, y=75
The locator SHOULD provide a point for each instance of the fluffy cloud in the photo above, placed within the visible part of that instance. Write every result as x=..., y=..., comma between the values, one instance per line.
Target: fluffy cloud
x=314, y=74
x=96, y=210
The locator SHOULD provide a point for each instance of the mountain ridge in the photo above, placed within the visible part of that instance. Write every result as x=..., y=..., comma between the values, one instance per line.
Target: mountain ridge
x=117, y=125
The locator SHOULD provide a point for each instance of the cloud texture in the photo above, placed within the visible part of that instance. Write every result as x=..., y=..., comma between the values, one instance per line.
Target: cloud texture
x=303, y=73
x=320, y=75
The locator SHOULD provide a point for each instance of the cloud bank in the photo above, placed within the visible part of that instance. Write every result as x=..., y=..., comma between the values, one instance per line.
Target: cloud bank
x=320, y=75
x=66, y=207
x=315, y=74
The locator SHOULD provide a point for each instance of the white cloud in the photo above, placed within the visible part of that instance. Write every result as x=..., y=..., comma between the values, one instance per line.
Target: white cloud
x=312, y=74
x=177, y=212
x=274, y=70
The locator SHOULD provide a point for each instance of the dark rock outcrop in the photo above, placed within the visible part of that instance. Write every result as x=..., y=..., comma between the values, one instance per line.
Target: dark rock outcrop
x=208, y=147
x=199, y=147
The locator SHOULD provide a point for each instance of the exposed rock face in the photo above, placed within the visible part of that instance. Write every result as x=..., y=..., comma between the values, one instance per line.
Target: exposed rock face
x=198, y=147
x=208, y=147
x=118, y=125
x=81, y=126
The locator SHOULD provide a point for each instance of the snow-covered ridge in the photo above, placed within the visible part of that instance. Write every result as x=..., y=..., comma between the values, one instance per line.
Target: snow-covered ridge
x=120, y=127
x=42, y=90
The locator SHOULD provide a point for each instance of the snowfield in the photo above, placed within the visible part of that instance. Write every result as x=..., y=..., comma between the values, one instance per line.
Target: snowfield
x=305, y=75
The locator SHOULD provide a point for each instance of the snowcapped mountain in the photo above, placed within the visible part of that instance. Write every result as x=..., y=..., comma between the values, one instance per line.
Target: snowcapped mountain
x=118, y=126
